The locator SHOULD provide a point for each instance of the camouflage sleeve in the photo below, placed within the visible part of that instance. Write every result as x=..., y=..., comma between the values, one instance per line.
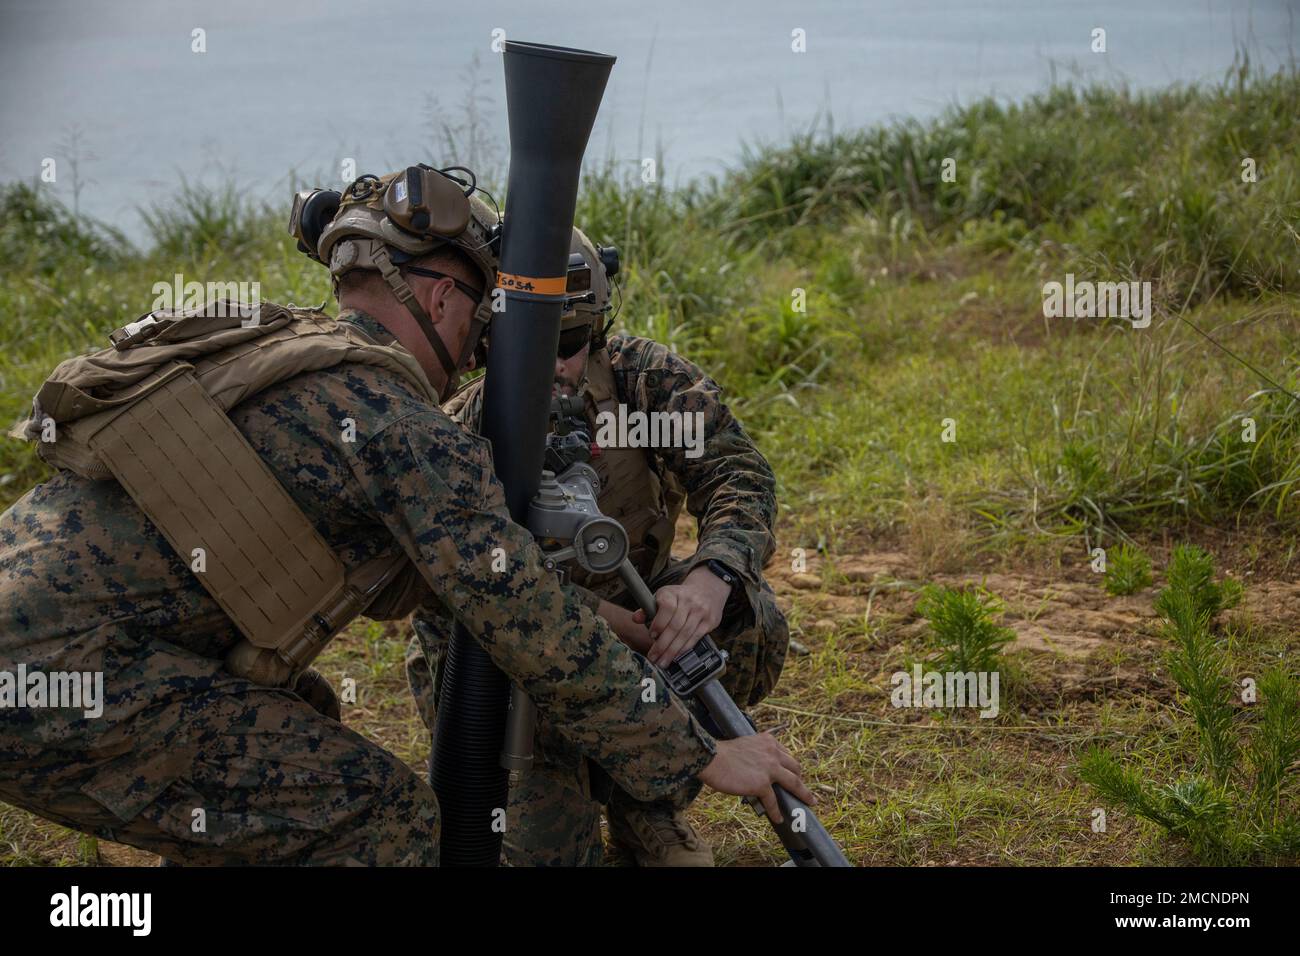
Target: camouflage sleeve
x=466, y=408
x=432, y=483
x=730, y=488
x=588, y=599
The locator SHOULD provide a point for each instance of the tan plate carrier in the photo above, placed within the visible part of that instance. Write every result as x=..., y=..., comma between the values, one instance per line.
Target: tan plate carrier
x=152, y=413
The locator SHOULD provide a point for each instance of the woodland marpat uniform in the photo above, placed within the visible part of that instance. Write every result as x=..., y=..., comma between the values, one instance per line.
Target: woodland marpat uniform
x=87, y=583
x=731, y=491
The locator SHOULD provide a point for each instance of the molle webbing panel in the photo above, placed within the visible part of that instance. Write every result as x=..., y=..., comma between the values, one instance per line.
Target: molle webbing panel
x=631, y=492
x=188, y=467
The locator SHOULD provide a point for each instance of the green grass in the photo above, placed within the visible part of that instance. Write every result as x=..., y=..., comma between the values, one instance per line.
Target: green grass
x=1128, y=570
x=921, y=302
x=1191, y=580
x=1235, y=798
x=962, y=630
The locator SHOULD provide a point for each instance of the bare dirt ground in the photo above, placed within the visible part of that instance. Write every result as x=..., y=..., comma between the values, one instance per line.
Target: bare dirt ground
x=916, y=787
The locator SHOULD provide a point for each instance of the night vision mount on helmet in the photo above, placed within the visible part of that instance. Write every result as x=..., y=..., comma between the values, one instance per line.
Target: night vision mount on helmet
x=588, y=285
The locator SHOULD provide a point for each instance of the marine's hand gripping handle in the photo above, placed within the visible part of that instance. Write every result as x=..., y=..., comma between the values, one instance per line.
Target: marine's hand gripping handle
x=801, y=833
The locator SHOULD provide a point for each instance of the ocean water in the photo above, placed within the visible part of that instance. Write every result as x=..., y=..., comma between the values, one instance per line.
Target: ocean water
x=288, y=90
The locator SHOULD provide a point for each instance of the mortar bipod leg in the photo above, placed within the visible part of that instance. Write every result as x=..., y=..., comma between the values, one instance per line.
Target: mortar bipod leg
x=810, y=844
x=521, y=719
x=813, y=845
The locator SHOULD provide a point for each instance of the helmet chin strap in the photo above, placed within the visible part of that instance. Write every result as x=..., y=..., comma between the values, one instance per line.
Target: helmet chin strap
x=407, y=297
x=583, y=379
x=477, y=326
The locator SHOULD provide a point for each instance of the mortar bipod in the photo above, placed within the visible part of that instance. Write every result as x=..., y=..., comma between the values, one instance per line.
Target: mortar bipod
x=565, y=512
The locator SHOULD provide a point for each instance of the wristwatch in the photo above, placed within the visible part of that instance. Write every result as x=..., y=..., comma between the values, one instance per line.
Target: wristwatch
x=725, y=573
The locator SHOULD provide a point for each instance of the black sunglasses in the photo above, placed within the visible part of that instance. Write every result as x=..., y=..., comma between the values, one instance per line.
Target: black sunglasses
x=469, y=290
x=573, y=341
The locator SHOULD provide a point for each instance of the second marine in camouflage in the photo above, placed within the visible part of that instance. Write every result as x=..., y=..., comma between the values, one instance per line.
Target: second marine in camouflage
x=728, y=487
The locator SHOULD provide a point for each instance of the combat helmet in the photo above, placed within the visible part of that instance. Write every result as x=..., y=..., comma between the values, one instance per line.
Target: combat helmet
x=587, y=294
x=383, y=223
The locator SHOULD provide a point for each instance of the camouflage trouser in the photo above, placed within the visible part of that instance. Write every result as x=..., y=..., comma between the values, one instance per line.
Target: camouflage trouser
x=204, y=768
x=554, y=813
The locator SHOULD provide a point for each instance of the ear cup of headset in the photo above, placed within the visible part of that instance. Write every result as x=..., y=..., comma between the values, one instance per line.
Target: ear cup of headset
x=317, y=213
x=609, y=258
